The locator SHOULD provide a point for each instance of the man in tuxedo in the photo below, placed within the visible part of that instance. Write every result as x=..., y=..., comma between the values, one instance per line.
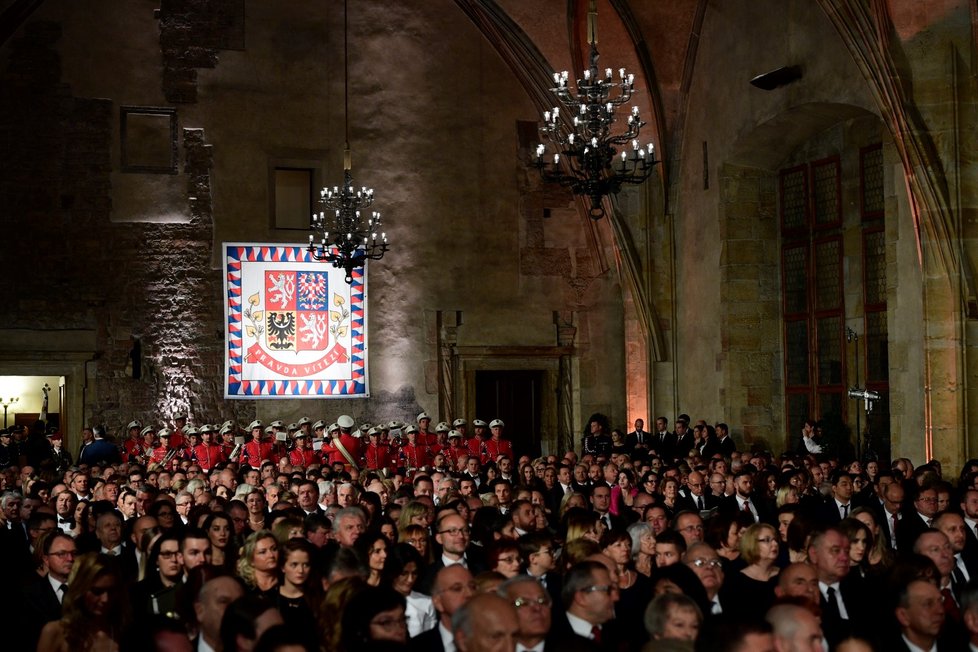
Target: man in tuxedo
x=307, y=497
x=969, y=508
x=601, y=504
x=561, y=487
x=533, y=610
x=725, y=443
x=42, y=596
x=452, y=587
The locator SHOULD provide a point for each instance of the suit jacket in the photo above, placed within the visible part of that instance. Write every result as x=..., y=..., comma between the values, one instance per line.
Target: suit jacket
x=684, y=444
x=474, y=560
x=664, y=444
x=909, y=528
x=729, y=504
x=828, y=512
x=563, y=638
x=39, y=605
x=727, y=446
x=429, y=641
x=857, y=607
x=687, y=503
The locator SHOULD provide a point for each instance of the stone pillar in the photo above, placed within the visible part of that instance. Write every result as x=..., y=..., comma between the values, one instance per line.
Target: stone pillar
x=448, y=324
x=566, y=333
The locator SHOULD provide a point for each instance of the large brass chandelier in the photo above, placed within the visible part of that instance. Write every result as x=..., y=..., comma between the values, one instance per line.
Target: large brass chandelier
x=346, y=233
x=587, y=158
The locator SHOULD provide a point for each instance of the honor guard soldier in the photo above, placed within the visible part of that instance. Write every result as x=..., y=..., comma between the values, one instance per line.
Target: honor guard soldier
x=462, y=426
x=414, y=454
x=144, y=446
x=192, y=440
x=326, y=449
x=164, y=455
x=344, y=448
x=61, y=457
x=456, y=452
x=207, y=453
x=132, y=442
x=377, y=455
x=179, y=425
x=305, y=425
x=441, y=434
x=477, y=442
x=303, y=455
x=226, y=440
x=319, y=430
x=257, y=450
x=496, y=445
x=425, y=436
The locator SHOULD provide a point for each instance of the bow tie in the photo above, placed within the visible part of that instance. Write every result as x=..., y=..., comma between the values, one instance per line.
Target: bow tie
x=65, y=521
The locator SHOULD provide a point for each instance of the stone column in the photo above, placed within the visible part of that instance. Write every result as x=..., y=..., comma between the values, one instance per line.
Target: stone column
x=566, y=332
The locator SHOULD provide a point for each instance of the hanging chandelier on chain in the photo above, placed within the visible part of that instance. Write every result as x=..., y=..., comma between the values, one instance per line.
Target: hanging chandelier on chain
x=346, y=233
x=587, y=158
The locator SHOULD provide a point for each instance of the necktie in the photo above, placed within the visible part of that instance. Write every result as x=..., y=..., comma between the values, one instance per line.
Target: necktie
x=596, y=634
x=831, y=611
x=699, y=503
x=845, y=511
x=61, y=592
x=950, y=606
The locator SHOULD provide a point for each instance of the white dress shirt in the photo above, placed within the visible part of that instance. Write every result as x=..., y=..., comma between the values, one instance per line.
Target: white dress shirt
x=56, y=585
x=824, y=588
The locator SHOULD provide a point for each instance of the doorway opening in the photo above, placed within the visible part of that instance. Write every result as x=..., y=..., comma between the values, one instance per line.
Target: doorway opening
x=516, y=397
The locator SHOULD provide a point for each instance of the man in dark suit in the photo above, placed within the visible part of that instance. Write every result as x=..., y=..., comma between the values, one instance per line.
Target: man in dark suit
x=452, y=587
x=601, y=505
x=533, y=610
x=743, y=500
x=42, y=596
x=589, y=598
x=638, y=439
x=843, y=604
x=209, y=606
x=891, y=513
x=453, y=537
x=663, y=441
x=965, y=562
x=921, y=616
x=918, y=516
x=969, y=509
x=725, y=443
x=839, y=504
x=696, y=497
x=684, y=437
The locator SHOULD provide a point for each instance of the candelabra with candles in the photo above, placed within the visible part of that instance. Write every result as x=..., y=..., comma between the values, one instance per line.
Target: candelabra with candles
x=6, y=403
x=343, y=233
x=587, y=157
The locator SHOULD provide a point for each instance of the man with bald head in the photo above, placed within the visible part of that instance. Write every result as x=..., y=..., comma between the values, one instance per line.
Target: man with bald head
x=798, y=580
x=486, y=623
x=697, y=497
x=965, y=561
x=209, y=606
x=452, y=587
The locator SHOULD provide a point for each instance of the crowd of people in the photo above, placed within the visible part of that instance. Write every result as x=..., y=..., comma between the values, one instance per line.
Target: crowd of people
x=403, y=536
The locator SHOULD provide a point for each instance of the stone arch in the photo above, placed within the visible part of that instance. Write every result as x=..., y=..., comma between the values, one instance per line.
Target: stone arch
x=752, y=355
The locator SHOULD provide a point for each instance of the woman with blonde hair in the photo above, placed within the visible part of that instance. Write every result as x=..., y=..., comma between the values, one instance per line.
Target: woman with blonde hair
x=786, y=495
x=752, y=589
x=334, y=604
x=414, y=513
x=582, y=524
x=570, y=501
x=258, y=563
x=95, y=610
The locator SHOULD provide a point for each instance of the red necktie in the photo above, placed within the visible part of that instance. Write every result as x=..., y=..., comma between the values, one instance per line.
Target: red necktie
x=950, y=606
x=596, y=634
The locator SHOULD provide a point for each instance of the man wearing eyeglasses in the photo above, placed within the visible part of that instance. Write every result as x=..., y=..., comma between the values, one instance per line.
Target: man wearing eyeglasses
x=42, y=596
x=703, y=560
x=452, y=587
x=533, y=610
x=452, y=536
x=589, y=596
x=918, y=518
